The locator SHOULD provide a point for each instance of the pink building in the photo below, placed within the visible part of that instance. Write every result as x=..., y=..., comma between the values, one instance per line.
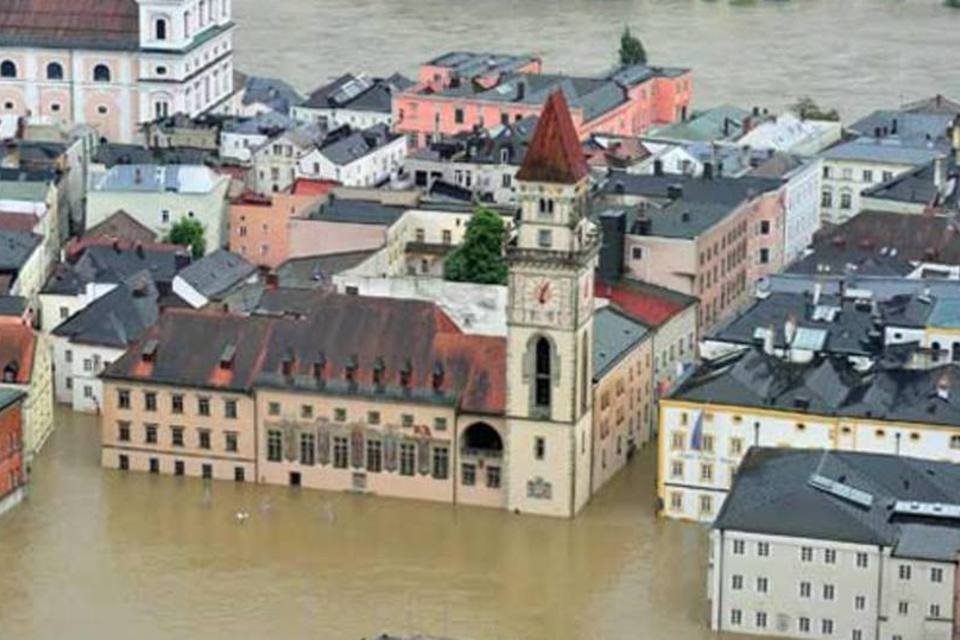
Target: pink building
x=114, y=64
x=259, y=226
x=459, y=91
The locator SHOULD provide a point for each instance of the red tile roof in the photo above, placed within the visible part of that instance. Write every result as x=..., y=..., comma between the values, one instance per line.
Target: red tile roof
x=554, y=154
x=94, y=24
x=649, y=304
x=308, y=187
x=121, y=226
x=17, y=346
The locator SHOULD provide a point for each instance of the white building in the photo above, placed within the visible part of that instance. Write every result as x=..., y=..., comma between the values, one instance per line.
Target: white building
x=837, y=545
x=238, y=138
x=755, y=399
x=357, y=101
x=276, y=161
x=160, y=196
x=789, y=134
x=118, y=64
x=358, y=159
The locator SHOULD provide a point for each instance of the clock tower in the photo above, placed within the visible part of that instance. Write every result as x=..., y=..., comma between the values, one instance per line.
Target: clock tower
x=550, y=324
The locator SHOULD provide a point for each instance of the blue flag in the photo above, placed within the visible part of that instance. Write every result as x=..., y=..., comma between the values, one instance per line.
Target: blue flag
x=696, y=440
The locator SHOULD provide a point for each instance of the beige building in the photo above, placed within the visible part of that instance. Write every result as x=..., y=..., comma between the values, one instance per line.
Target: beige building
x=25, y=365
x=837, y=545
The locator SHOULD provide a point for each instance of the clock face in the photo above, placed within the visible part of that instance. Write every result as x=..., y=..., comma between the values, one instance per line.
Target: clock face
x=541, y=295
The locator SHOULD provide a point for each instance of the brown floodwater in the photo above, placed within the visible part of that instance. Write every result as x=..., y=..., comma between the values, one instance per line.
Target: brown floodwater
x=100, y=553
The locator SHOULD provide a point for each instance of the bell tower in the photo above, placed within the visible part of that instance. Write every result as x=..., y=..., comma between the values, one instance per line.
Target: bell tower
x=550, y=323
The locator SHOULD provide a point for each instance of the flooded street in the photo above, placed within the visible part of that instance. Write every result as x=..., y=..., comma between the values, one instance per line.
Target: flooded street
x=97, y=550
x=856, y=55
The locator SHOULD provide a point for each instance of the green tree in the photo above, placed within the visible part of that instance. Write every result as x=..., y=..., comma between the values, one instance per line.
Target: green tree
x=189, y=233
x=807, y=109
x=631, y=49
x=480, y=258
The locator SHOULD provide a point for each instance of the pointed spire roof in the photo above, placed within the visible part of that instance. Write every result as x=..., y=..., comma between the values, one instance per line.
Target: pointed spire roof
x=554, y=154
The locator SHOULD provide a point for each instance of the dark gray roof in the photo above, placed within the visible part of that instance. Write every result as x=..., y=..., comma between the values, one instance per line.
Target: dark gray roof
x=849, y=332
x=354, y=145
x=359, y=93
x=9, y=395
x=904, y=125
x=718, y=190
x=268, y=123
x=114, y=153
x=107, y=264
x=772, y=494
x=826, y=386
x=15, y=248
x=115, y=319
x=312, y=272
x=858, y=260
x=356, y=211
x=685, y=218
x=917, y=186
x=12, y=305
x=883, y=150
x=614, y=335
x=217, y=273
x=273, y=92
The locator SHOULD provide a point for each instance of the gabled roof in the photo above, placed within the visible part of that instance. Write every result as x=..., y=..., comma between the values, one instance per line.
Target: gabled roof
x=121, y=226
x=554, y=154
x=16, y=247
x=614, y=335
x=115, y=319
x=217, y=273
x=642, y=301
x=272, y=92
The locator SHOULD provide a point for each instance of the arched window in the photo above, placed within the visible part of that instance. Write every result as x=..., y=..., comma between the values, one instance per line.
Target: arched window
x=186, y=24
x=160, y=29
x=201, y=13
x=101, y=73
x=8, y=69
x=542, y=378
x=54, y=71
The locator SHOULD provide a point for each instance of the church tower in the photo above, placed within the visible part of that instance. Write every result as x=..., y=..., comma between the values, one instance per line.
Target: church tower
x=550, y=324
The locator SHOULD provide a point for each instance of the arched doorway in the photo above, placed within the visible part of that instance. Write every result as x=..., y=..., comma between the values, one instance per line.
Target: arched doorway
x=480, y=439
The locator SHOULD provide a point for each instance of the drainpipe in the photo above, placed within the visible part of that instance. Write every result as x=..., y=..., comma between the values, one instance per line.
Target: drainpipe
x=455, y=471
x=718, y=580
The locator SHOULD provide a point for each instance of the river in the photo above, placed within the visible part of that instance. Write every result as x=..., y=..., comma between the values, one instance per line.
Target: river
x=856, y=55
x=100, y=553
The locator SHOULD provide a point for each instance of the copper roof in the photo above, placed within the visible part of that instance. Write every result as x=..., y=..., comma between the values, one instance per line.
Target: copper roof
x=93, y=24
x=554, y=154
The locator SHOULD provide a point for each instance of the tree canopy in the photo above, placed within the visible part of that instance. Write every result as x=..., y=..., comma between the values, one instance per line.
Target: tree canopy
x=188, y=233
x=480, y=258
x=631, y=49
x=807, y=109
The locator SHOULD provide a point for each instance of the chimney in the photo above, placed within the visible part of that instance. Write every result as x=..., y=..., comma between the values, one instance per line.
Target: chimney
x=436, y=377
x=817, y=292
x=613, y=226
x=789, y=329
x=768, y=341
x=658, y=167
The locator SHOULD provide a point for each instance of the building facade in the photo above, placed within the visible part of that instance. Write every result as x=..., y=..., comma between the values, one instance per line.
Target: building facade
x=118, y=64
x=13, y=475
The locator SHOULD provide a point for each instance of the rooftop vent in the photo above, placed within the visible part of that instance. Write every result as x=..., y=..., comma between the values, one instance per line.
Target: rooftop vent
x=149, y=351
x=226, y=358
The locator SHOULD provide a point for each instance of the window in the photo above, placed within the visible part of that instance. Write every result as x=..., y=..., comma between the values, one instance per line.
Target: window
x=230, y=409
x=826, y=172
x=762, y=585
x=934, y=611
x=736, y=582
x=176, y=403
x=340, y=451
x=736, y=617
x=676, y=501
x=830, y=556
x=887, y=175
x=150, y=401
x=308, y=448
x=676, y=469
x=739, y=547
x=828, y=592
x=8, y=69
x=160, y=29
x=206, y=471
x=274, y=445
x=637, y=253
x=706, y=443
x=803, y=624
x=154, y=465
x=203, y=406
x=493, y=477
x=374, y=456
x=761, y=620
x=826, y=626
x=677, y=441
x=706, y=472
x=846, y=200
x=545, y=238
x=150, y=433
x=178, y=467
x=230, y=441
x=867, y=175
x=764, y=227
x=904, y=572
x=706, y=504
x=468, y=475
x=447, y=237
x=203, y=438
x=440, y=424
x=408, y=458
x=239, y=474
x=763, y=549
x=539, y=448
x=123, y=431
x=903, y=607
x=441, y=463
x=101, y=73
x=458, y=115
x=847, y=174
x=273, y=408
x=306, y=411
x=805, y=589
x=406, y=420
x=860, y=603
x=736, y=446
x=764, y=256
x=176, y=436
x=54, y=71
x=806, y=554
x=543, y=374
x=340, y=414
x=862, y=560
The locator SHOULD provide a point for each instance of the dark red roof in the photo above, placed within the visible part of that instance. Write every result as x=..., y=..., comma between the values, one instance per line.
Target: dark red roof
x=95, y=24
x=311, y=187
x=121, y=226
x=649, y=304
x=554, y=154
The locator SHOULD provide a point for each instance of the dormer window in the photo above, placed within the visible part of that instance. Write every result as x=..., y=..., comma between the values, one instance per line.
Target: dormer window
x=437, y=377
x=320, y=366
x=350, y=371
x=227, y=357
x=149, y=352
x=378, y=373
x=406, y=373
x=10, y=371
x=286, y=366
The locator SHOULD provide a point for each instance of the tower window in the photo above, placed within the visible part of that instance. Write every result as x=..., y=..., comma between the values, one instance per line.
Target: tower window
x=545, y=238
x=542, y=390
x=546, y=206
x=160, y=29
x=101, y=73
x=54, y=71
x=8, y=69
